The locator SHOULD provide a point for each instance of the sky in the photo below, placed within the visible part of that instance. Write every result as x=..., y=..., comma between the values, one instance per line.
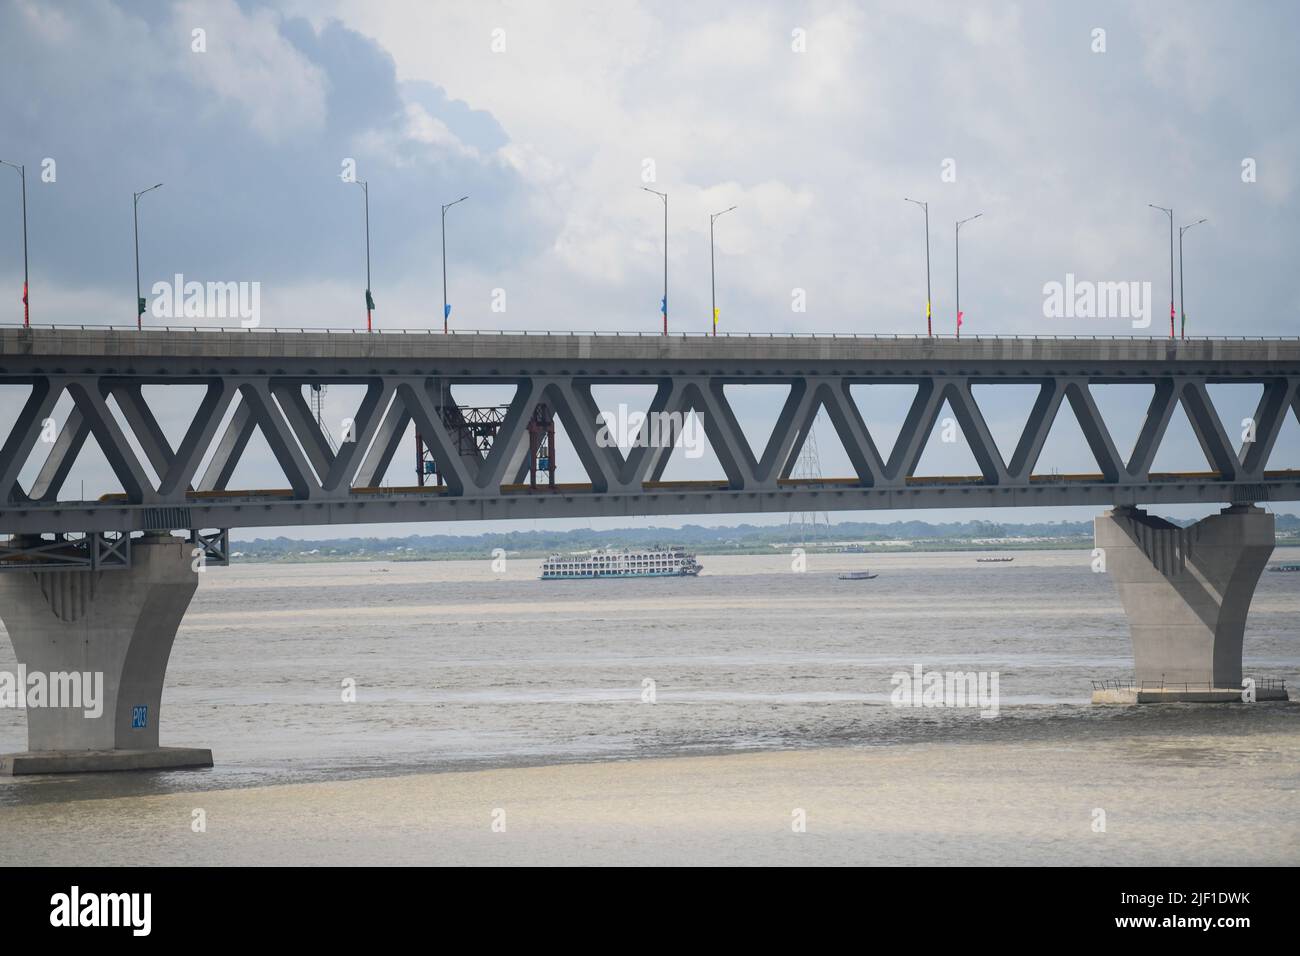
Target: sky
x=1057, y=123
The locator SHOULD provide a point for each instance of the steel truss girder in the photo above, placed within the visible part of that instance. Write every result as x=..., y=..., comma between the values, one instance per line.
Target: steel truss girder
x=158, y=475
x=213, y=545
x=94, y=551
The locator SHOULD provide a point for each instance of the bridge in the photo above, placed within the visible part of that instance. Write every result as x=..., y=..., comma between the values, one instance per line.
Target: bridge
x=1186, y=591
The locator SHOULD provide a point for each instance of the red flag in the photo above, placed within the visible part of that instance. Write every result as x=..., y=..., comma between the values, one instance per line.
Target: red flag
x=959, y=315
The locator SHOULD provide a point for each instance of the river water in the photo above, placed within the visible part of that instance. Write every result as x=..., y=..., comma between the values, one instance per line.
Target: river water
x=458, y=666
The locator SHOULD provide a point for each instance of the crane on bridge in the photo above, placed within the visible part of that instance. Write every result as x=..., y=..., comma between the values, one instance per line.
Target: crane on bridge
x=474, y=429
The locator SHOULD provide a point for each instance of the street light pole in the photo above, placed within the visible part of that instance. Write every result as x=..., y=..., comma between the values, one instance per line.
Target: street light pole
x=713, y=282
x=370, y=299
x=22, y=175
x=1170, y=214
x=139, y=300
x=956, y=237
x=664, y=304
x=446, y=309
x=1182, y=296
x=929, y=328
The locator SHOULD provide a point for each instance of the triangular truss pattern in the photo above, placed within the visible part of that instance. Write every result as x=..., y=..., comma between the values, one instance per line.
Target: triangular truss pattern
x=1006, y=407
x=151, y=470
x=945, y=452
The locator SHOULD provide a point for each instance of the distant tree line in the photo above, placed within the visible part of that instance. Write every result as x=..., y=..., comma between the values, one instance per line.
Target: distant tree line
x=736, y=537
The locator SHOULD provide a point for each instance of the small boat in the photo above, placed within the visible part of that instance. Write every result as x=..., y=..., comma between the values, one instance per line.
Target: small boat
x=993, y=560
x=858, y=575
x=1285, y=568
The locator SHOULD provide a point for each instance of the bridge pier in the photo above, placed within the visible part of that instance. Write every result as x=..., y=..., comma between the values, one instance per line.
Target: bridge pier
x=1186, y=593
x=115, y=629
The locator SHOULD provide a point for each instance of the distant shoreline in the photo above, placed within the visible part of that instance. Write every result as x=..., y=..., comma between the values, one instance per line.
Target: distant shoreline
x=818, y=536
x=318, y=556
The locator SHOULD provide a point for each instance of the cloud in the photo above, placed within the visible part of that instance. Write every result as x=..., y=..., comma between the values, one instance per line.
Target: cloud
x=250, y=138
x=546, y=122
x=247, y=62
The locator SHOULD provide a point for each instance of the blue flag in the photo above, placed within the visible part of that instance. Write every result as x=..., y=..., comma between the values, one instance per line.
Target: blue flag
x=663, y=305
x=446, y=310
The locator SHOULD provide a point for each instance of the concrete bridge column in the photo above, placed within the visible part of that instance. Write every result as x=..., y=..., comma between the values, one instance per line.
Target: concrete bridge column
x=1186, y=593
x=116, y=623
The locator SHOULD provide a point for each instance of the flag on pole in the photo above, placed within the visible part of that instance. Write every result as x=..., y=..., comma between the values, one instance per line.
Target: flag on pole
x=959, y=315
x=139, y=306
x=446, y=310
x=663, y=305
x=715, y=316
x=927, y=308
x=370, y=301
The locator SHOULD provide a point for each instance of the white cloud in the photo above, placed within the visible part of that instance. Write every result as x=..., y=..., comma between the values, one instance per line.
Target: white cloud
x=249, y=64
x=429, y=136
x=1059, y=148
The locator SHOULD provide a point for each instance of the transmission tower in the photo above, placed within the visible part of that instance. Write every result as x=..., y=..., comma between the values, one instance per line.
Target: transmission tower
x=807, y=468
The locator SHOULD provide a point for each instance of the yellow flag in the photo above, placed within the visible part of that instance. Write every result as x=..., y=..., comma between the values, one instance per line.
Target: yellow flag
x=927, y=308
x=715, y=316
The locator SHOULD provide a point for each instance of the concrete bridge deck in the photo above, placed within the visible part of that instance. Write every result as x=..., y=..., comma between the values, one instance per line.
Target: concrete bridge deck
x=615, y=352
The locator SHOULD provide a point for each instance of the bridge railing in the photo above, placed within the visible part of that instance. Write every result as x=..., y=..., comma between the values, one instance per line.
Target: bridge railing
x=614, y=333
x=1261, y=683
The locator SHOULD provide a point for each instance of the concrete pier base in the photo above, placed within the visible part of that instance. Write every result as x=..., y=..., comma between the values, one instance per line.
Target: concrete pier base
x=98, y=761
x=1186, y=593
x=111, y=633
x=1180, y=695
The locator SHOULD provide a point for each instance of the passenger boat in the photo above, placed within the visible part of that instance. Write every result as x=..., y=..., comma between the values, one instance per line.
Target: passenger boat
x=611, y=563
